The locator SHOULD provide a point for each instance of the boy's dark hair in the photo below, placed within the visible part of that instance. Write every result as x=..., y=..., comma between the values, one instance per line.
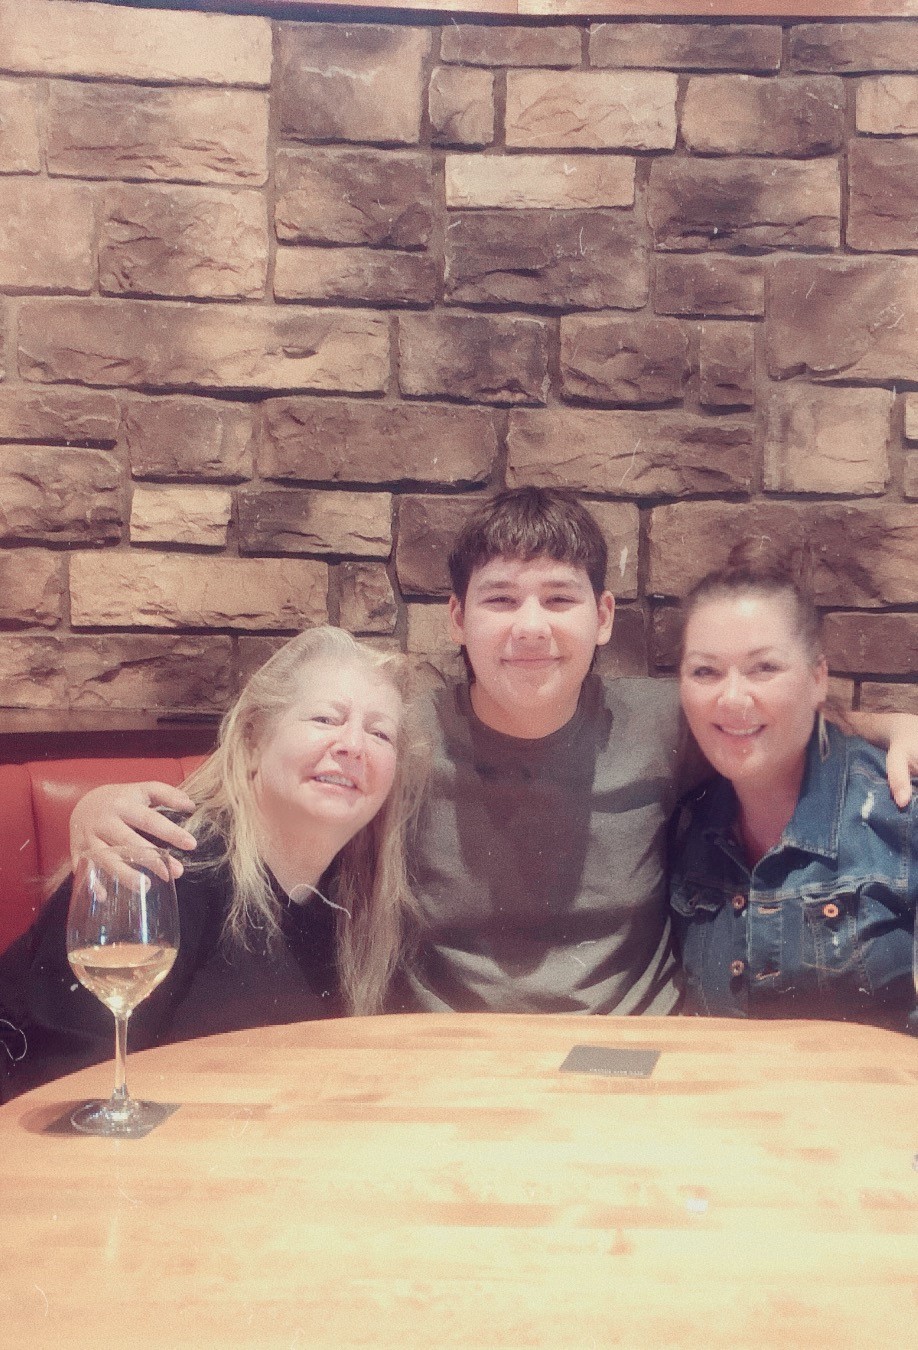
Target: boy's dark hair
x=526, y=523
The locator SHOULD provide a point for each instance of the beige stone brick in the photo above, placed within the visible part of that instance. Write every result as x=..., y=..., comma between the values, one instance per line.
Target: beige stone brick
x=297, y=520
x=887, y=105
x=565, y=182
x=749, y=203
x=34, y=257
x=433, y=670
x=142, y=589
x=253, y=652
x=839, y=318
x=665, y=637
x=488, y=358
x=687, y=46
x=183, y=241
x=726, y=365
x=881, y=697
x=161, y=344
x=196, y=516
x=351, y=82
x=193, y=438
x=841, y=694
x=59, y=495
x=31, y=589
x=591, y=110
x=139, y=671
x=428, y=631
x=510, y=45
x=54, y=37
x=911, y=417
x=593, y=259
x=20, y=142
x=709, y=285
x=750, y=115
x=378, y=197
x=125, y=131
x=882, y=195
x=882, y=644
x=850, y=48
x=827, y=440
x=366, y=600
x=70, y=416
x=373, y=276
x=340, y=441
x=626, y=653
x=427, y=529
x=687, y=539
x=620, y=523
x=625, y=361
x=910, y=477
x=460, y=104
x=629, y=454
x=864, y=554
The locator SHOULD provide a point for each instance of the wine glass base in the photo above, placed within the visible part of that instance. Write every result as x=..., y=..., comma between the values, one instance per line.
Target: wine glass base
x=122, y=1120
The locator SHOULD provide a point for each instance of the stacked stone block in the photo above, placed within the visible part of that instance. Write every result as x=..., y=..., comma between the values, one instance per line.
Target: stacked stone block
x=280, y=300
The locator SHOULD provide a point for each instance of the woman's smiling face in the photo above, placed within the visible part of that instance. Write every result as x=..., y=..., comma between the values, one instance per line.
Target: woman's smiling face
x=749, y=686
x=330, y=758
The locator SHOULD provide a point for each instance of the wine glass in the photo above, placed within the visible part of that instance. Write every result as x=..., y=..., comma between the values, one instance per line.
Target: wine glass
x=122, y=938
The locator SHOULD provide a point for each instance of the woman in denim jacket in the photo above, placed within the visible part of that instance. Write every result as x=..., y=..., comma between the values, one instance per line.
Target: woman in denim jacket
x=796, y=875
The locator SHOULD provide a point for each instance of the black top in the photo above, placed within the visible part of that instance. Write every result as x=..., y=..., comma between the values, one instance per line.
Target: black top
x=213, y=986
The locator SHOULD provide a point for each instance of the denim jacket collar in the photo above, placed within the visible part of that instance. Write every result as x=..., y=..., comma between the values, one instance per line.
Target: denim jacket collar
x=815, y=824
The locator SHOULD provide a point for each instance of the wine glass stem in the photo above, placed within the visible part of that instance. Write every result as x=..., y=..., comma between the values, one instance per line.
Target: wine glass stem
x=120, y=1094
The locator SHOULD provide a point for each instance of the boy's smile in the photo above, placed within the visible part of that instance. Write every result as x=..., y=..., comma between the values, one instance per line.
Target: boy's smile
x=530, y=630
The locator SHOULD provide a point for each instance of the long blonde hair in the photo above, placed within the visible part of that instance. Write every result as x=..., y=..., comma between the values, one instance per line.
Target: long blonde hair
x=372, y=893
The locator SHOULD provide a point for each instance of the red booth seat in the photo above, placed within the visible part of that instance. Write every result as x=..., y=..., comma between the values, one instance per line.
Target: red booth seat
x=36, y=800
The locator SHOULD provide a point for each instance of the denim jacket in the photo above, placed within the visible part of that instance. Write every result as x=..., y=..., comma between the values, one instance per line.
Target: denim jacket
x=822, y=925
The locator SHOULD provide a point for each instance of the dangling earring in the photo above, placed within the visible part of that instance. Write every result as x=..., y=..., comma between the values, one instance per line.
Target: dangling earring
x=822, y=736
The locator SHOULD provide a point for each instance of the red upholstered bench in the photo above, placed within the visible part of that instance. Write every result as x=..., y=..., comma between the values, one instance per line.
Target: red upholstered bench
x=36, y=800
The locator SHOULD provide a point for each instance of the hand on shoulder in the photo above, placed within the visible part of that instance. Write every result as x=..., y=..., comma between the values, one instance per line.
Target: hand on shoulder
x=126, y=815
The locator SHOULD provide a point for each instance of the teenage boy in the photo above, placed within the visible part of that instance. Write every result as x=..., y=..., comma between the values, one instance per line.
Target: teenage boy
x=540, y=862
x=540, y=865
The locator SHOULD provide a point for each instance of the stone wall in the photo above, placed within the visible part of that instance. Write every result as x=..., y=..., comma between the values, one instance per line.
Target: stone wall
x=280, y=299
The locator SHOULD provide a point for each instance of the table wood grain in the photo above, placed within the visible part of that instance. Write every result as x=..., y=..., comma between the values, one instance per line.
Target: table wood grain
x=434, y=1181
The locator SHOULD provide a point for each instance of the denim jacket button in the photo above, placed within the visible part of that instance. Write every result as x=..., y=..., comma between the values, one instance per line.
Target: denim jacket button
x=737, y=967
x=739, y=903
x=830, y=911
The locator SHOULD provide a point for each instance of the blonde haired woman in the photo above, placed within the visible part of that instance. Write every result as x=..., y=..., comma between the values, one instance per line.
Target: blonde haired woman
x=296, y=900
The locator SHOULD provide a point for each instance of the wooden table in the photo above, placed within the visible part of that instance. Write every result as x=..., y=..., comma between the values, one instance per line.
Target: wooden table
x=436, y=1181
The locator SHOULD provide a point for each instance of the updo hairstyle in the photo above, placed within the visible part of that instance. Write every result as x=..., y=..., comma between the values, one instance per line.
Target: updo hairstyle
x=756, y=567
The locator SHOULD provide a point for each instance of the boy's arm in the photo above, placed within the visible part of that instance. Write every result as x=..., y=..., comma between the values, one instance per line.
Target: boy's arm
x=898, y=732
x=111, y=817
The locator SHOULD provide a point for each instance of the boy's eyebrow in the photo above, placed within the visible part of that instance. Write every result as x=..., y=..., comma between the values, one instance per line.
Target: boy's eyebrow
x=502, y=582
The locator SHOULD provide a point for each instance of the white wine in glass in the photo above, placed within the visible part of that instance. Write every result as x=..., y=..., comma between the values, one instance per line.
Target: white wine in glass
x=122, y=939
